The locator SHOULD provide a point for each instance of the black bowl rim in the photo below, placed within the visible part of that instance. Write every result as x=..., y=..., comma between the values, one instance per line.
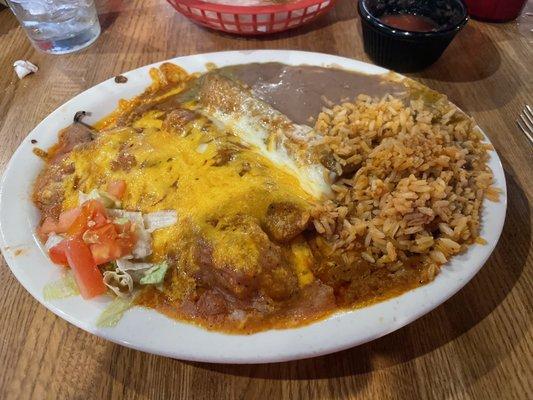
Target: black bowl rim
x=400, y=33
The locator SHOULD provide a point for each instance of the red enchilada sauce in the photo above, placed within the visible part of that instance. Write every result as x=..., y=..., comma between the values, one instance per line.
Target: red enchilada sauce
x=409, y=22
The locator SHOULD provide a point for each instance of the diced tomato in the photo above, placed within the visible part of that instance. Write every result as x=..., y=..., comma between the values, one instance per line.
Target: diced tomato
x=126, y=237
x=79, y=225
x=58, y=253
x=67, y=218
x=116, y=188
x=87, y=274
x=92, y=213
x=110, y=242
x=103, y=234
x=124, y=229
x=110, y=250
x=48, y=226
x=105, y=252
x=110, y=246
x=126, y=245
x=75, y=221
x=89, y=226
x=96, y=212
x=100, y=219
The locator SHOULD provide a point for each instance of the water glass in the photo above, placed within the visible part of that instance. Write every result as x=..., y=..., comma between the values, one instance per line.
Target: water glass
x=58, y=26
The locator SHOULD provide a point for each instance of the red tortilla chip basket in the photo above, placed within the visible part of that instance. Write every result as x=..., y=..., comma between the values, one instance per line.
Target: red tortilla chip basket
x=252, y=20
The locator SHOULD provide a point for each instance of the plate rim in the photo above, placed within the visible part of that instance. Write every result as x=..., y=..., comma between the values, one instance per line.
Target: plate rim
x=244, y=358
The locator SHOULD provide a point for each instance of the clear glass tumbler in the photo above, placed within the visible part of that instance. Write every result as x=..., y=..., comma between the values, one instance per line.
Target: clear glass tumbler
x=58, y=26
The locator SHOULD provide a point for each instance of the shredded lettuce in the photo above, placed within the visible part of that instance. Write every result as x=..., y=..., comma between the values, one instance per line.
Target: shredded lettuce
x=107, y=200
x=126, y=265
x=62, y=288
x=144, y=226
x=134, y=269
x=122, y=274
x=53, y=240
x=160, y=219
x=117, y=280
x=155, y=275
x=114, y=312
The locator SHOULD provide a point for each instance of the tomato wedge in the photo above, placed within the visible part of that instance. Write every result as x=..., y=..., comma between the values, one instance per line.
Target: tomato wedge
x=67, y=218
x=58, y=253
x=87, y=274
x=105, y=252
x=116, y=188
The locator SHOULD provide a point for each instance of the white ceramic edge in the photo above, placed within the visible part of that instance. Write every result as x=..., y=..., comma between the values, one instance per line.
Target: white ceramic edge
x=338, y=332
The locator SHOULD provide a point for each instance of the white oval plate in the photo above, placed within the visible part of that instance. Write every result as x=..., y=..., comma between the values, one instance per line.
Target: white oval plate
x=152, y=332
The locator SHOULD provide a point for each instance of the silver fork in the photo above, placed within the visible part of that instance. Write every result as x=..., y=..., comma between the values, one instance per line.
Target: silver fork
x=525, y=122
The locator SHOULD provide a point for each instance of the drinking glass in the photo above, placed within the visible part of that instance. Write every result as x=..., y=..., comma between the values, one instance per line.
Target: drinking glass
x=58, y=26
x=495, y=10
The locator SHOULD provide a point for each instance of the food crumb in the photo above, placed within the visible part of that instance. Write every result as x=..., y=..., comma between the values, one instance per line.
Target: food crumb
x=210, y=66
x=33, y=141
x=480, y=240
x=327, y=101
x=40, y=153
x=121, y=79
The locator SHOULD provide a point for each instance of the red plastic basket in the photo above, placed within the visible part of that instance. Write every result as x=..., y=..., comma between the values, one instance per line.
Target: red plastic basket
x=252, y=20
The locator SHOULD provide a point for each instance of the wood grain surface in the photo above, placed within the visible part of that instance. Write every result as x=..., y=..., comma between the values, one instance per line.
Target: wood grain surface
x=478, y=345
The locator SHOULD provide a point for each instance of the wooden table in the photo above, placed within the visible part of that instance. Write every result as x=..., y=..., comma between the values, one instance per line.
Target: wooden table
x=478, y=345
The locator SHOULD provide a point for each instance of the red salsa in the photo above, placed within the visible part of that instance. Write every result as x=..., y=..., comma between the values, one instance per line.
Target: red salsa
x=409, y=22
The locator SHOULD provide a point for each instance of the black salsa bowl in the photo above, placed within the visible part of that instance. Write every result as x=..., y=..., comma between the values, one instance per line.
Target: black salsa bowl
x=404, y=50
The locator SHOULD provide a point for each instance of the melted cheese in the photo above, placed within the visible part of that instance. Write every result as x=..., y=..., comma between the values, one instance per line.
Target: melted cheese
x=178, y=172
x=303, y=261
x=250, y=129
